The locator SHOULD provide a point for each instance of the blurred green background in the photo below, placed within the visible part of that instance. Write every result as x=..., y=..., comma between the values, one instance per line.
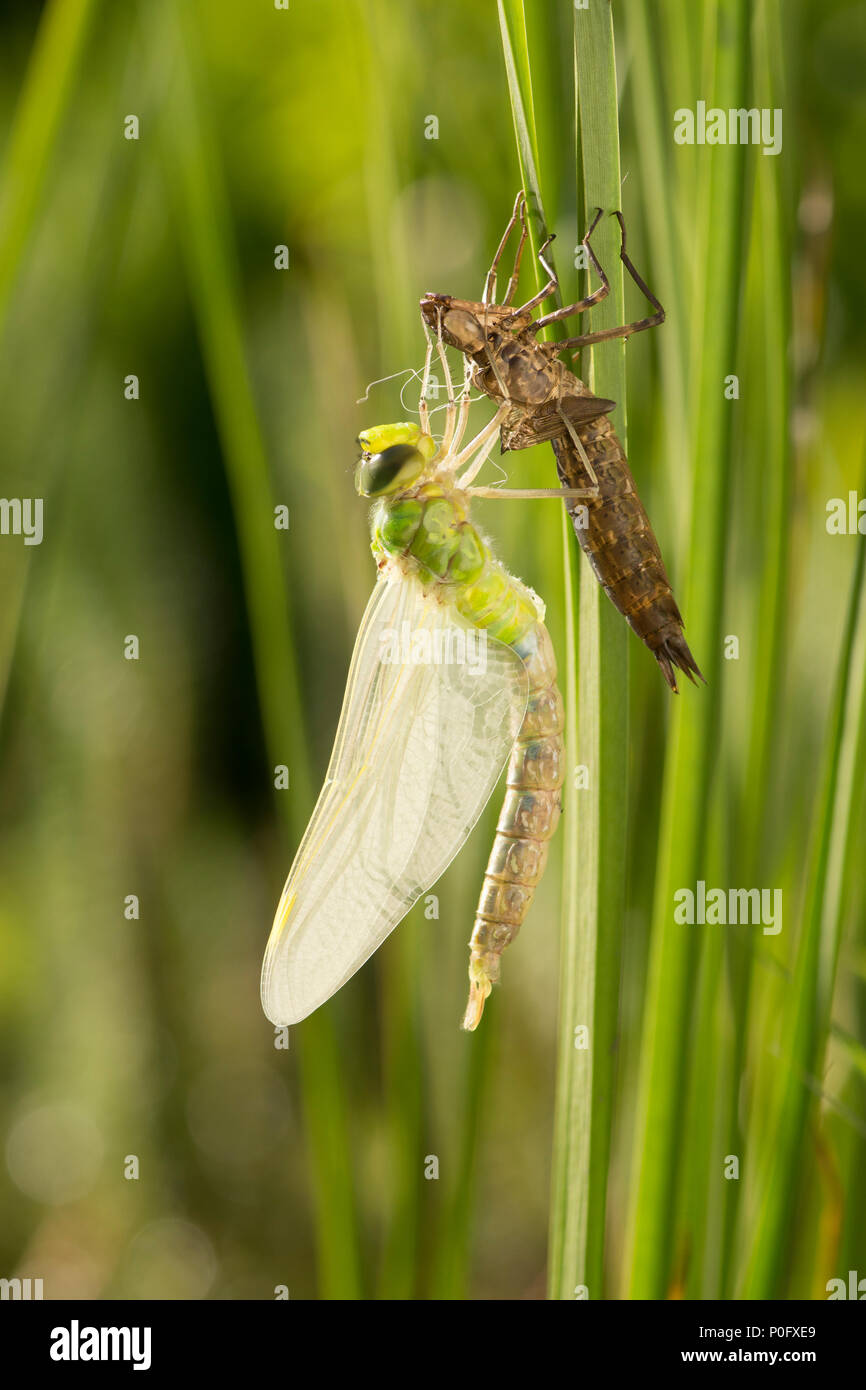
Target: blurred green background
x=259, y=1166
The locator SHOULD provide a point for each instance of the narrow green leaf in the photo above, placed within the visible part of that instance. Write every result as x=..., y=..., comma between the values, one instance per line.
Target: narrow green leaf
x=206, y=236
x=811, y=991
x=688, y=779
x=594, y=882
x=771, y=621
x=671, y=279
x=50, y=78
x=54, y=64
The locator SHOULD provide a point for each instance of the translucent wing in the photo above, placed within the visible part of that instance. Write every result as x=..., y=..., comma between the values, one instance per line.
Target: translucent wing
x=420, y=746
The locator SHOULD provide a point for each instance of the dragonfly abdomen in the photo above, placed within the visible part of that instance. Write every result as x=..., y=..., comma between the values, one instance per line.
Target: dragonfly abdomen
x=428, y=530
x=620, y=544
x=528, y=819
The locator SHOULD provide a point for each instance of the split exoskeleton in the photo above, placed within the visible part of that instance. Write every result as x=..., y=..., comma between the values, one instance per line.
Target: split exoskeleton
x=546, y=401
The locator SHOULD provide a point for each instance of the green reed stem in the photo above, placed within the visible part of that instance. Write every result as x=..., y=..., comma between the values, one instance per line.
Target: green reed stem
x=206, y=236
x=658, y=1135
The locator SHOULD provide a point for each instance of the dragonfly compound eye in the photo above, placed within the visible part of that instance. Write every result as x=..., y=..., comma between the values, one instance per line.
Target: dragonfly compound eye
x=462, y=330
x=393, y=468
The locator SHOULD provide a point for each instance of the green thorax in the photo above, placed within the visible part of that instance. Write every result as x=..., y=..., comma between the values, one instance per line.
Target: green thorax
x=428, y=529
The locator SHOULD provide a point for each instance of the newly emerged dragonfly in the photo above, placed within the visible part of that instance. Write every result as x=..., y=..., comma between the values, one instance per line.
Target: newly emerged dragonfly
x=453, y=671
x=547, y=401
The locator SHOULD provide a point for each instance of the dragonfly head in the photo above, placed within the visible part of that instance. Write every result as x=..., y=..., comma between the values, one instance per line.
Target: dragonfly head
x=467, y=324
x=392, y=457
x=455, y=320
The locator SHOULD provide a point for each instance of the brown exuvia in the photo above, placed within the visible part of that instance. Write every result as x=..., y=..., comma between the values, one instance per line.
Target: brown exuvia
x=549, y=402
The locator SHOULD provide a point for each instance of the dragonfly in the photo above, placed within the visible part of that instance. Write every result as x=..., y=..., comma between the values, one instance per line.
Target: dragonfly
x=548, y=402
x=453, y=675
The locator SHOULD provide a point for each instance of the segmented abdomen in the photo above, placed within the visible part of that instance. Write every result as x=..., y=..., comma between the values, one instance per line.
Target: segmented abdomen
x=621, y=547
x=428, y=528
x=526, y=823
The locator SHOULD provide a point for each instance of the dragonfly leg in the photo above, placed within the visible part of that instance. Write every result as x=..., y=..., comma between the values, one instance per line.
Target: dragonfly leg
x=478, y=449
x=524, y=233
x=423, y=408
x=552, y=282
x=659, y=315
x=489, y=295
x=578, y=444
x=626, y=329
x=451, y=407
x=530, y=493
x=463, y=403
x=494, y=367
x=456, y=412
x=582, y=304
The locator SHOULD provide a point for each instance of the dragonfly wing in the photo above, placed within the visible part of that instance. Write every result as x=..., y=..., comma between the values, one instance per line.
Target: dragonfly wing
x=419, y=748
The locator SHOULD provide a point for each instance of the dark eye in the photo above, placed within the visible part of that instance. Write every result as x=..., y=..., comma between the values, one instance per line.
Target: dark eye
x=396, y=465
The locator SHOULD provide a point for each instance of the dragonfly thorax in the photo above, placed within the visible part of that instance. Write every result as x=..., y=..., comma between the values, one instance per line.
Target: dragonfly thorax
x=425, y=530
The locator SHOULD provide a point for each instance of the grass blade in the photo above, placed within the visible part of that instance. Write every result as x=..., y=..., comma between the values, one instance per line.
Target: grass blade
x=773, y=449
x=206, y=238
x=51, y=75
x=670, y=274
x=811, y=991
x=689, y=763
x=512, y=28
x=53, y=69
x=594, y=882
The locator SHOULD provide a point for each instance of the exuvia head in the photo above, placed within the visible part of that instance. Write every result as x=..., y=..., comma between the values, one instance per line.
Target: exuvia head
x=467, y=324
x=393, y=457
x=455, y=319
